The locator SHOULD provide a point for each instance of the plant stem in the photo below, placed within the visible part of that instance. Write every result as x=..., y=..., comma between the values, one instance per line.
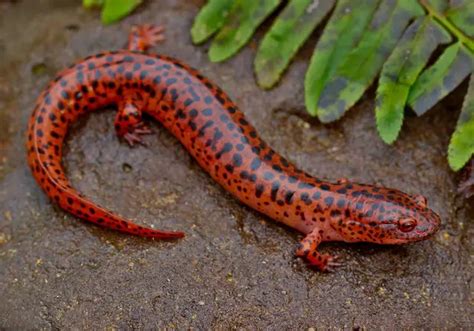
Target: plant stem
x=453, y=29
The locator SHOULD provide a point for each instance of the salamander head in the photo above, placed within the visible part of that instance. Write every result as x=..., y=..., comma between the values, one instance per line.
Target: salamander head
x=387, y=216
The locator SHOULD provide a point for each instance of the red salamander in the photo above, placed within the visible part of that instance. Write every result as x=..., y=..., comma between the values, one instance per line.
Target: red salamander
x=222, y=141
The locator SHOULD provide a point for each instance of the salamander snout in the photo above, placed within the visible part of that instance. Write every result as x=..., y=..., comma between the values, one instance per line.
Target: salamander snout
x=388, y=217
x=410, y=224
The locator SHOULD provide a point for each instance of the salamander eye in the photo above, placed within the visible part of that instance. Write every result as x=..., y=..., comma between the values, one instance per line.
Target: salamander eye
x=406, y=224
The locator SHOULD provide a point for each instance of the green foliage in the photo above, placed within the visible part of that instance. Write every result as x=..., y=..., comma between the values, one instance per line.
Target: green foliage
x=438, y=80
x=362, y=65
x=462, y=15
x=362, y=39
x=342, y=32
x=401, y=70
x=92, y=3
x=210, y=19
x=113, y=10
x=461, y=147
x=242, y=21
x=280, y=44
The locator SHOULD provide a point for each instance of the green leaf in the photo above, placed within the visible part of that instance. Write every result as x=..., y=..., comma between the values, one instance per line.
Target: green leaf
x=210, y=18
x=462, y=15
x=290, y=30
x=92, y=3
x=437, y=81
x=401, y=70
x=244, y=18
x=461, y=147
x=363, y=64
x=439, y=5
x=114, y=10
x=340, y=35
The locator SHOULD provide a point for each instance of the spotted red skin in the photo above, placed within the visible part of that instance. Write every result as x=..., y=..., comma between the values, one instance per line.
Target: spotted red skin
x=211, y=127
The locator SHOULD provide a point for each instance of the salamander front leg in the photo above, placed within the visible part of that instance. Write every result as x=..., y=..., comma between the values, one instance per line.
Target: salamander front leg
x=128, y=123
x=308, y=250
x=145, y=36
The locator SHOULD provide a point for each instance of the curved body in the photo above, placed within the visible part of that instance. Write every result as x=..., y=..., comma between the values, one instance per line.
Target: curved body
x=220, y=139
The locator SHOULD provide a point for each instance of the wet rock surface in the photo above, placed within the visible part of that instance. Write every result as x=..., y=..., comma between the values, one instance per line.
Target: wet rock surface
x=235, y=268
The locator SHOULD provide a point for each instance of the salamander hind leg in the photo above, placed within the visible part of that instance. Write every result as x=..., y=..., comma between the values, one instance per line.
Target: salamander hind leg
x=308, y=249
x=128, y=122
x=145, y=36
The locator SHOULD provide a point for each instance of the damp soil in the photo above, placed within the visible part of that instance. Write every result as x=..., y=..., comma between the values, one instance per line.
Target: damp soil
x=235, y=268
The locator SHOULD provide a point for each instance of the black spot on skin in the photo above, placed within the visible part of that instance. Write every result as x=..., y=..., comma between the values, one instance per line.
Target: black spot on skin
x=231, y=110
x=255, y=164
x=243, y=121
x=277, y=168
x=192, y=125
x=64, y=95
x=316, y=195
x=220, y=98
x=289, y=197
x=193, y=113
x=70, y=201
x=292, y=179
x=225, y=149
x=304, y=185
x=269, y=156
x=305, y=198
x=275, y=188
x=259, y=190
x=244, y=174
x=329, y=201
x=268, y=175
x=237, y=160
x=335, y=213
x=229, y=168
x=204, y=127
x=170, y=81
x=325, y=187
x=80, y=77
